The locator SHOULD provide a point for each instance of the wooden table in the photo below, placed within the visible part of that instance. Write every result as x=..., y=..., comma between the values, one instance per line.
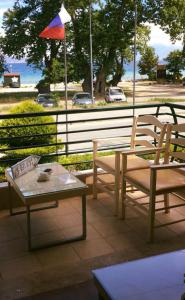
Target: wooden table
x=158, y=277
x=62, y=184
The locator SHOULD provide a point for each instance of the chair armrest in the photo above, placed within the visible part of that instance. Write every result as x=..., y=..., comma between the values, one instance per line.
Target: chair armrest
x=142, y=151
x=167, y=166
x=111, y=141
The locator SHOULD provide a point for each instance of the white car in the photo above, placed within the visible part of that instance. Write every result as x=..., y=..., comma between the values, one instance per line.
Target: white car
x=114, y=94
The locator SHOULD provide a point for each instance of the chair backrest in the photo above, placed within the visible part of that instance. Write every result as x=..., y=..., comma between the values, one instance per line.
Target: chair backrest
x=176, y=143
x=149, y=132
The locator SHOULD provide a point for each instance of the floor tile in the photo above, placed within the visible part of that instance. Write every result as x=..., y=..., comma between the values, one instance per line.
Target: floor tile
x=110, y=226
x=13, y=249
x=107, y=237
x=59, y=255
x=20, y=266
x=69, y=220
x=91, y=248
x=39, y=223
x=9, y=229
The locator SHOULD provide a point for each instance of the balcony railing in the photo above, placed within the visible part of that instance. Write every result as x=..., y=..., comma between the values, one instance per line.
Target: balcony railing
x=73, y=130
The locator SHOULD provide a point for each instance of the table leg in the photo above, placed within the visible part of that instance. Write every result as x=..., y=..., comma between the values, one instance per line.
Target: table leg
x=28, y=227
x=10, y=199
x=84, y=226
x=58, y=242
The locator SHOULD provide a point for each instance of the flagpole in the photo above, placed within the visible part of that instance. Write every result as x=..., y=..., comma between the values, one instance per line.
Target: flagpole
x=56, y=30
x=65, y=72
x=135, y=35
x=91, y=54
x=66, y=94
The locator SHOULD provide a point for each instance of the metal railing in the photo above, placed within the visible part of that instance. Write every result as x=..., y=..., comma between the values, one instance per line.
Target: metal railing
x=71, y=132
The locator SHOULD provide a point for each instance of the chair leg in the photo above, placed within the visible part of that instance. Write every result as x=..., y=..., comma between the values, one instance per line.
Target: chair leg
x=95, y=181
x=153, y=179
x=166, y=203
x=117, y=183
x=123, y=198
x=151, y=218
x=117, y=194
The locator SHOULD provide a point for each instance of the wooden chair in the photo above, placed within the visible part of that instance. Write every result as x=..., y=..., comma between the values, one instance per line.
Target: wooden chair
x=142, y=135
x=165, y=178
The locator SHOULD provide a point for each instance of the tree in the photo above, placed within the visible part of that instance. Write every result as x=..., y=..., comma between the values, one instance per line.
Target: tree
x=148, y=63
x=113, y=31
x=3, y=65
x=113, y=35
x=175, y=64
x=170, y=15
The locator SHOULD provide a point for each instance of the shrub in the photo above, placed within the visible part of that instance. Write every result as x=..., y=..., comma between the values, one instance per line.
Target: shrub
x=13, y=136
x=102, y=103
x=84, y=162
x=80, y=161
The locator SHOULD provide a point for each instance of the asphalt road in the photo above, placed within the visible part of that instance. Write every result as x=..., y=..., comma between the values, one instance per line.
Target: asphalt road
x=104, y=125
x=145, y=93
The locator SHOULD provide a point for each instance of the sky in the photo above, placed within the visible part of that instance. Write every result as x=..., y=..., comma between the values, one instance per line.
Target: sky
x=159, y=40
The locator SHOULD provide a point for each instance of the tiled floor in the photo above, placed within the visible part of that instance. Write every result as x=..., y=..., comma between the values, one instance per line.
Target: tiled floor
x=109, y=240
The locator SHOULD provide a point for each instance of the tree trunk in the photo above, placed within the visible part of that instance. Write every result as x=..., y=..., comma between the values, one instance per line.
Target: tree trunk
x=119, y=72
x=100, y=83
x=86, y=85
x=116, y=79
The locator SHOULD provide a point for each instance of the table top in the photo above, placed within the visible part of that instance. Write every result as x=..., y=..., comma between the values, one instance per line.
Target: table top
x=158, y=277
x=59, y=180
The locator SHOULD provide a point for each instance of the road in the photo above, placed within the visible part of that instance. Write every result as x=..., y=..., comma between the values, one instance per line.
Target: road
x=145, y=92
x=104, y=125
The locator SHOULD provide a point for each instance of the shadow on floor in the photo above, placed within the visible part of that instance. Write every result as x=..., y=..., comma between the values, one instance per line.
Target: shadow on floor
x=82, y=291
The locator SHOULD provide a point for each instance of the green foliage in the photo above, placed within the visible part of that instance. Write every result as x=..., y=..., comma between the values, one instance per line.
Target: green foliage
x=102, y=103
x=3, y=66
x=43, y=131
x=56, y=72
x=15, y=97
x=80, y=161
x=175, y=64
x=112, y=30
x=143, y=37
x=148, y=63
x=43, y=86
x=77, y=162
x=84, y=106
x=169, y=14
x=166, y=100
x=56, y=98
x=17, y=155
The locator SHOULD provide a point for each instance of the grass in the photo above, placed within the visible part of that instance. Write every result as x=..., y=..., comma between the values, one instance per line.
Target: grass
x=31, y=95
x=6, y=98
x=165, y=100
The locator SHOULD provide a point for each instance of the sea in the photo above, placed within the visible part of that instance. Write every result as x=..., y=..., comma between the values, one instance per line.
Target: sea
x=30, y=75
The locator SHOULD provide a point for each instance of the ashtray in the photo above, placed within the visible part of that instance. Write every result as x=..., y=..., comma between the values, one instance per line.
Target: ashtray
x=48, y=171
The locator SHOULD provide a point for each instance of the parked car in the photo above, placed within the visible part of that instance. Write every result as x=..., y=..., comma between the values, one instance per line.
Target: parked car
x=82, y=99
x=46, y=100
x=114, y=94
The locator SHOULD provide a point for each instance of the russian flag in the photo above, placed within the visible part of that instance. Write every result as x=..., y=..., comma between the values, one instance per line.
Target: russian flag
x=56, y=29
